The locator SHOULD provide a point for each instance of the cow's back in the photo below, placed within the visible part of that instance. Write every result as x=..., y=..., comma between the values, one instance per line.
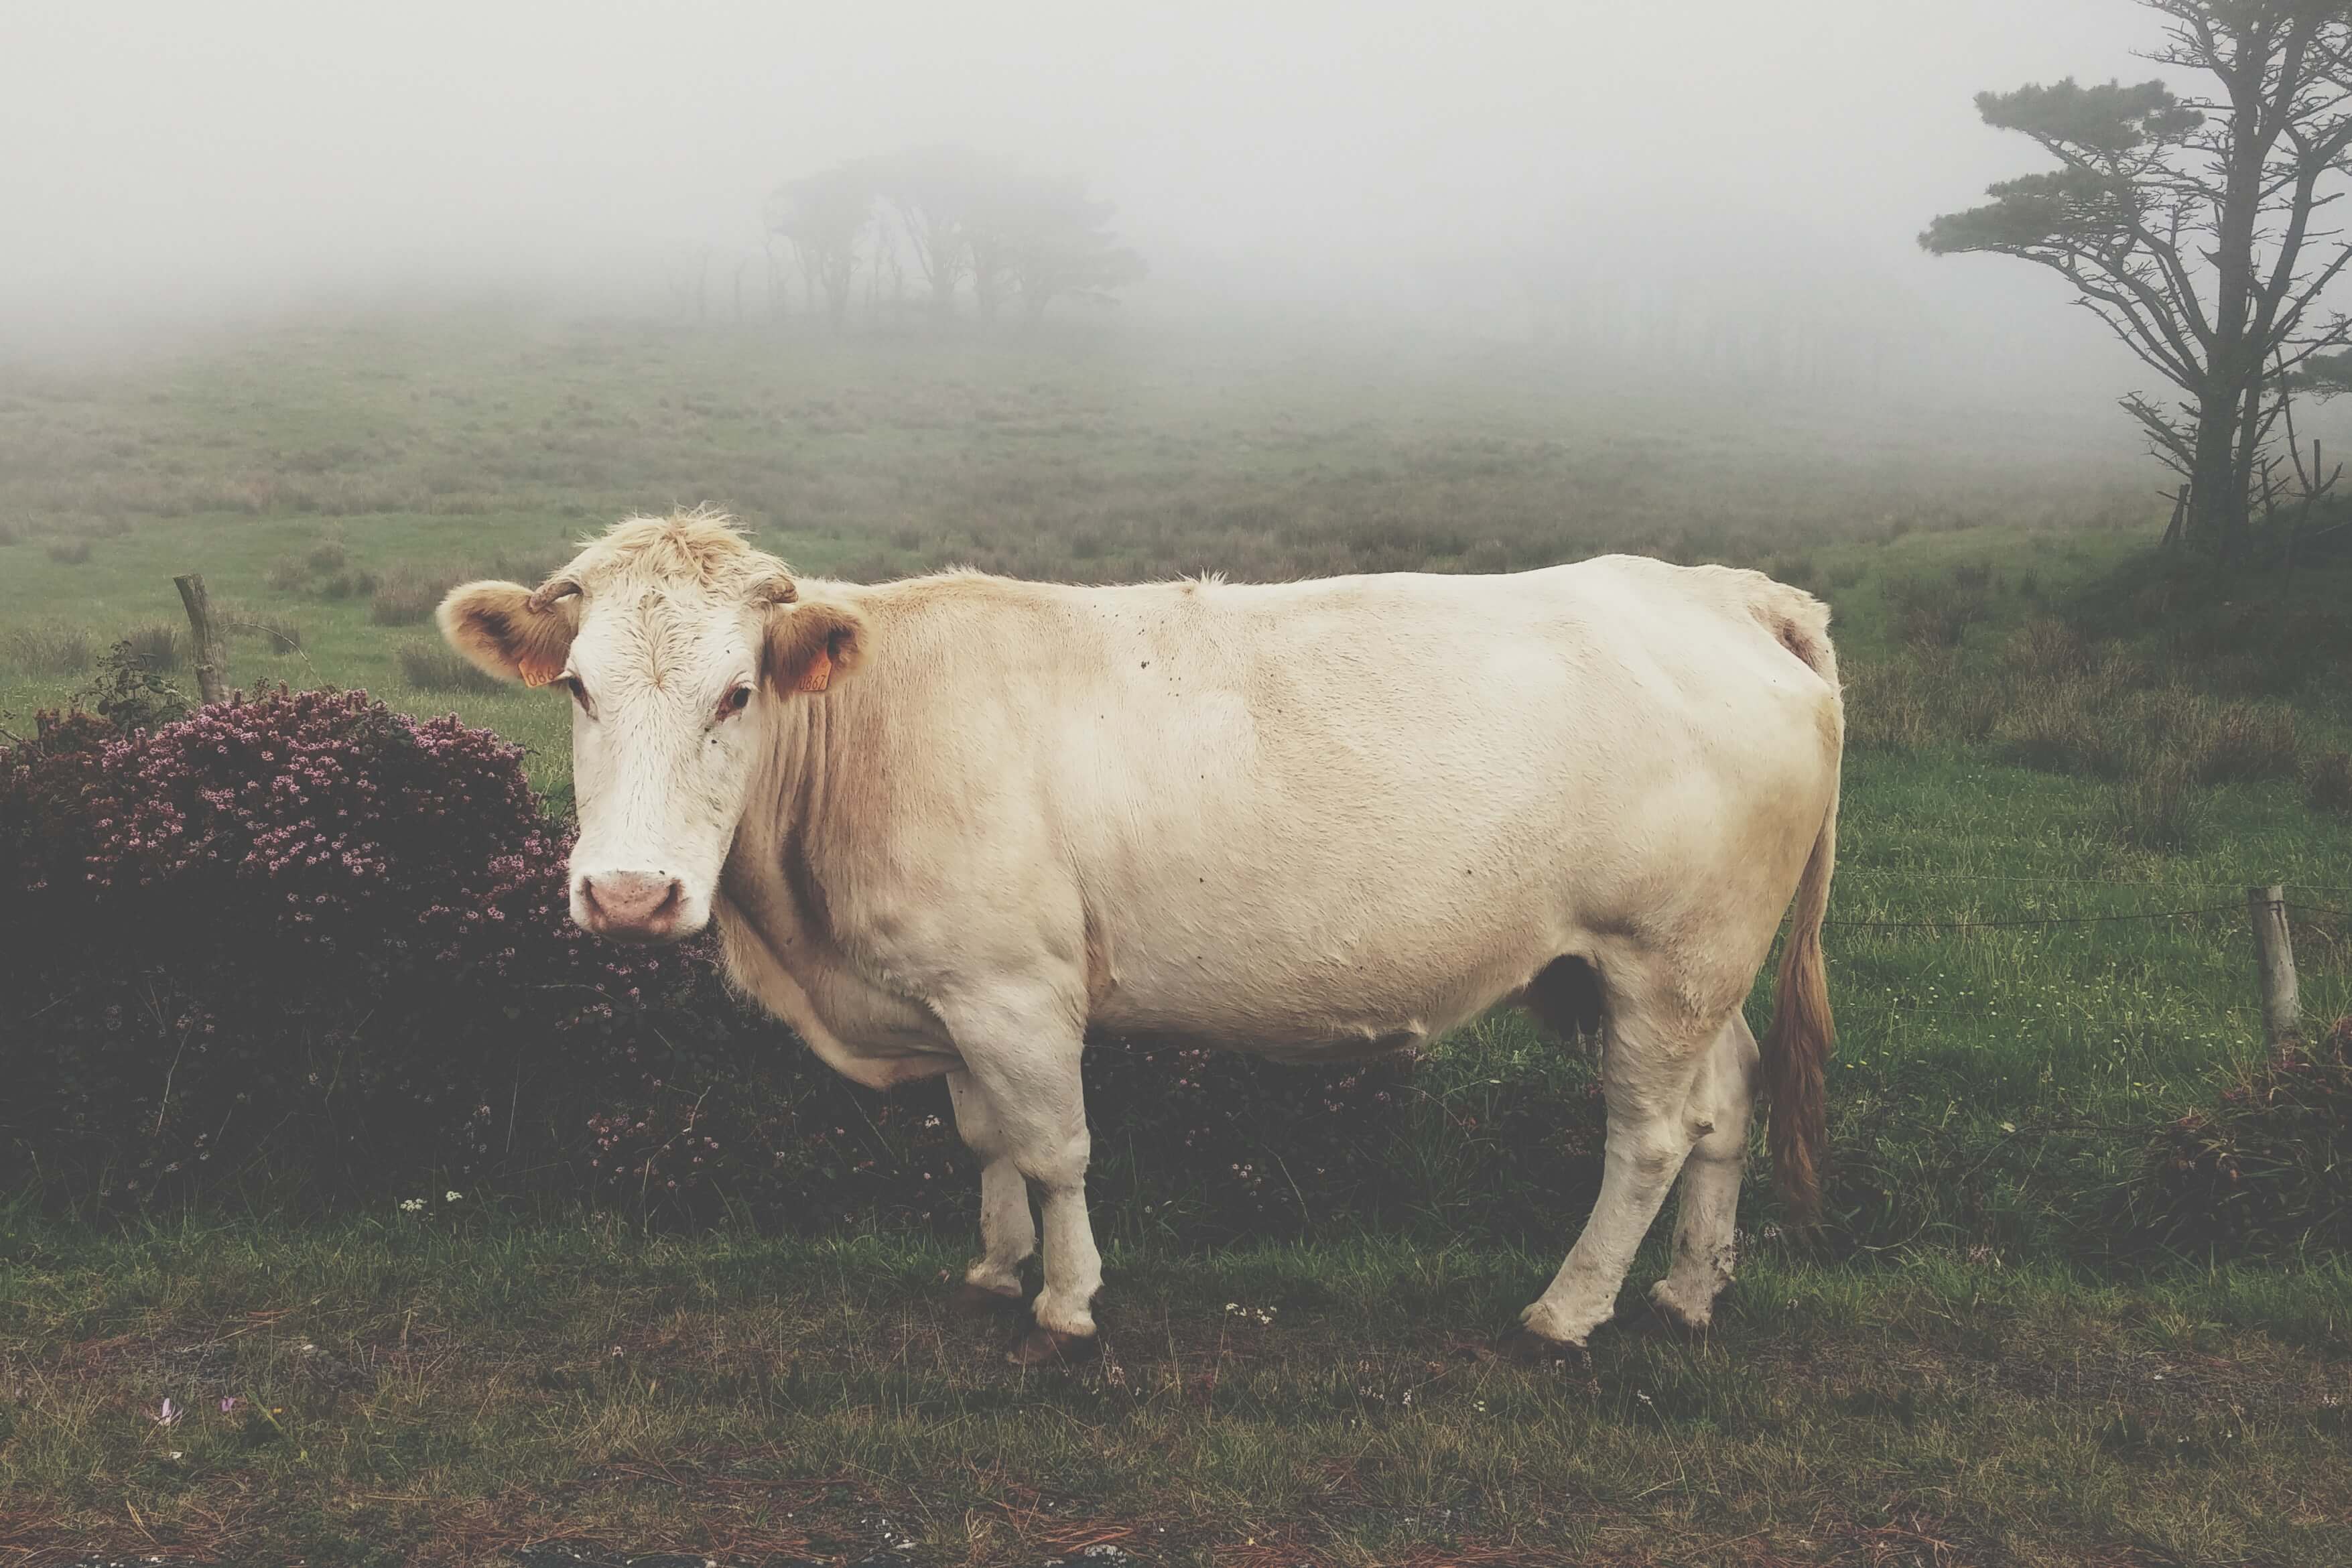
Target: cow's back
x=1311, y=816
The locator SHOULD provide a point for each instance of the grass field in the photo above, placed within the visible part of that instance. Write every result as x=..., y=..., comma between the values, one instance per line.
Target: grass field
x=2044, y=731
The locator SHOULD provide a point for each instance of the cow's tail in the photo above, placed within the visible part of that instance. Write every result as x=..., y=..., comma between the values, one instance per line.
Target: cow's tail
x=1796, y=1049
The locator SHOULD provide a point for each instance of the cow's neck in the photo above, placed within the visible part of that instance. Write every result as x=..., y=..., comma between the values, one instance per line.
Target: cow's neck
x=771, y=878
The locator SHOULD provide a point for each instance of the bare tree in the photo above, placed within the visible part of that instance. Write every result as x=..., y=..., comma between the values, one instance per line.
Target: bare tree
x=2186, y=225
x=955, y=213
x=823, y=216
x=933, y=192
x=1060, y=245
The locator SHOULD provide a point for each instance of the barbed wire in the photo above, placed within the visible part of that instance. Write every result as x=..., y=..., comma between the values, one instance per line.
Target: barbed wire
x=1853, y=870
x=2035, y=920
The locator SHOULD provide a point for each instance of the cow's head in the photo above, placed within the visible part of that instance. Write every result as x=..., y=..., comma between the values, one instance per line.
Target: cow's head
x=678, y=645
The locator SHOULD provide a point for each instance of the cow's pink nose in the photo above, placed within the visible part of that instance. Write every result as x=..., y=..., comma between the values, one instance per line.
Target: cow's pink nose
x=633, y=906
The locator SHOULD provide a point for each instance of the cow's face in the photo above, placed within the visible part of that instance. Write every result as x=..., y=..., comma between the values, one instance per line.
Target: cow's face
x=675, y=686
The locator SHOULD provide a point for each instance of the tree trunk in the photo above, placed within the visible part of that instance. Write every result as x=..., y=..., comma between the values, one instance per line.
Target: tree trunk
x=2216, y=499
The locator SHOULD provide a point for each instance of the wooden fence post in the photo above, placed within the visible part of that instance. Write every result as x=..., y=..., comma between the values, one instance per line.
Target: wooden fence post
x=2275, y=963
x=212, y=648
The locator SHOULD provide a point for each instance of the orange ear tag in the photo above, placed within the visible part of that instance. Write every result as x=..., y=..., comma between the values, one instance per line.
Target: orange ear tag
x=538, y=673
x=819, y=673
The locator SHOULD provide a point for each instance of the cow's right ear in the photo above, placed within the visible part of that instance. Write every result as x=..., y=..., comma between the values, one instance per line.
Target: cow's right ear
x=506, y=630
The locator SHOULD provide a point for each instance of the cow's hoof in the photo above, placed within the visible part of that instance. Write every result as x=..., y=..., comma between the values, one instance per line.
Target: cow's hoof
x=979, y=1302
x=1679, y=1315
x=1050, y=1347
x=1528, y=1348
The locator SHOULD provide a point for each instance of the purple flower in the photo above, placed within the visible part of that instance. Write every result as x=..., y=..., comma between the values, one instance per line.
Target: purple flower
x=168, y=1414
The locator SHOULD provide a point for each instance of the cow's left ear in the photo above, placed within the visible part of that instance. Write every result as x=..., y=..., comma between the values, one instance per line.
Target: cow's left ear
x=506, y=630
x=811, y=646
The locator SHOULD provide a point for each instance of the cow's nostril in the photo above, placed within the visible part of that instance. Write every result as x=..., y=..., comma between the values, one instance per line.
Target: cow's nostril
x=632, y=903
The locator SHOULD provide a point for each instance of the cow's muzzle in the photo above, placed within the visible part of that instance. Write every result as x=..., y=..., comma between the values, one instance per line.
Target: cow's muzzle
x=633, y=906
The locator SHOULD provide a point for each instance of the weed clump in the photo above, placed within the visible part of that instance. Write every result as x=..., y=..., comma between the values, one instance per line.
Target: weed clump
x=2162, y=809
x=276, y=631
x=53, y=648
x=2268, y=1169
x=70, y=551
x=2327, y=787
x=432, y=667
x=408, y=597
x=159, y=647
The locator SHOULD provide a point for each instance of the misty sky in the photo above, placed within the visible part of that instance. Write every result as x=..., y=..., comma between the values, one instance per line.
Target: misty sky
x=249, y=151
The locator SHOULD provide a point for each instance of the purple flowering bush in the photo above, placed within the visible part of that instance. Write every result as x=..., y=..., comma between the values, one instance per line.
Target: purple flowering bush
x=309, y=950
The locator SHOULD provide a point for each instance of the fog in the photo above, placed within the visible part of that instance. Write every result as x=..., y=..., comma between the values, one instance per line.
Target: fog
x=1477, y=169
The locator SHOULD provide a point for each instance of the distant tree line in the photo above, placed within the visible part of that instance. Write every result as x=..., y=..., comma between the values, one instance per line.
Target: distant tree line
x=903, y=234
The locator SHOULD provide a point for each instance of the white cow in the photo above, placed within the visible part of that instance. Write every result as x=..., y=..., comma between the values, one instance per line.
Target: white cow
x=952, y=824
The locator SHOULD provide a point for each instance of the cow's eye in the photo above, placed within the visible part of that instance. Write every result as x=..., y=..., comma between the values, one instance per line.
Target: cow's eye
x=734, y=702
x=578, y=694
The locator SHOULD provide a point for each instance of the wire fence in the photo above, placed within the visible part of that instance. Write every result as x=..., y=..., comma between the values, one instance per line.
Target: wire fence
x=2266, y=923
x=2236, y=908
x=2033, y=920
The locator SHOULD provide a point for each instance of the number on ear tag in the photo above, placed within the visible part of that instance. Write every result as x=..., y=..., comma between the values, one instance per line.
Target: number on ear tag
x=819, y=673
x=538, y=673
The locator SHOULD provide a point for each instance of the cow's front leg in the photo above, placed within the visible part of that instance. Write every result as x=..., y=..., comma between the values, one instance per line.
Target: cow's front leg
x=1020, y=1047
x=1008, y=1233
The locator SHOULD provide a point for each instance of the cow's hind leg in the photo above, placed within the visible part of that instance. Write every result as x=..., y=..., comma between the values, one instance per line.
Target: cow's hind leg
x=1008, y=1233
x=1657, y=1039
x=1704, y=1241
x=1021, y=1048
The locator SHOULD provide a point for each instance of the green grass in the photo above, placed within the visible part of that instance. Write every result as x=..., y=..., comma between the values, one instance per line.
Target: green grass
x=446, y=1391
x=1976, y=1380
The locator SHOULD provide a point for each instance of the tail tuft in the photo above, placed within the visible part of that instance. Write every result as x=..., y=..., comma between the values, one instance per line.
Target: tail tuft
x=1797, y=1048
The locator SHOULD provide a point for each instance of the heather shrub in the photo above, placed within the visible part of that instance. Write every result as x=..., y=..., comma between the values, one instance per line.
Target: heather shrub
x=2266, y=1170
x=305, y=950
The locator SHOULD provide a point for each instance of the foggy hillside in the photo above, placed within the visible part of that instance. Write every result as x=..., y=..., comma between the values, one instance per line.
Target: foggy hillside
x=1585, y=176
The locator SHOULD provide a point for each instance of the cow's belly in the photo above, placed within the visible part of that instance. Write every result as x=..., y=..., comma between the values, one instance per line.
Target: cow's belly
x=1258, y=989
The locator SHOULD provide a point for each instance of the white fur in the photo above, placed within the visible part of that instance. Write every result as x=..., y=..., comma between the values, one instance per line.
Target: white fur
x=1315, y=820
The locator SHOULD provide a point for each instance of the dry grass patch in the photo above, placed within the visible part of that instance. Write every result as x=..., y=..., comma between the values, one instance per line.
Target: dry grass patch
x=407, y=597
x=2327, y=787
x=434, y=666
x=54, y=647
